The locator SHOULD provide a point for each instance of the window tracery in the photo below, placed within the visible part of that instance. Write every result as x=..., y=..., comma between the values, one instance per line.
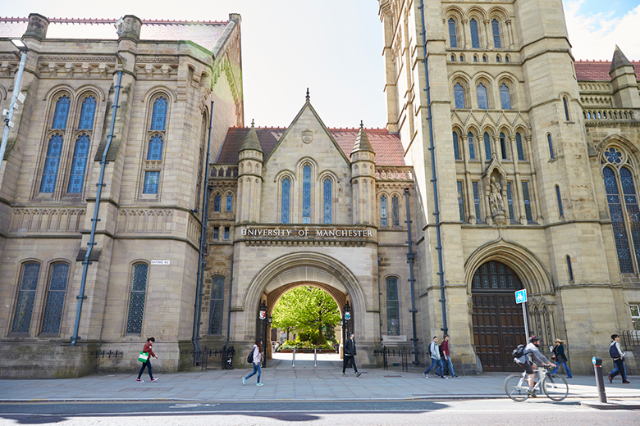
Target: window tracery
x=155, y=147
x=393, y=307
x=306, y=194
x=136, y=303
x=475, y=40
x=216, y=305
x=55, y=298
x=284, y=209
x=453, y=40
x=327, y=201
x=26, y=298
x=495, y=26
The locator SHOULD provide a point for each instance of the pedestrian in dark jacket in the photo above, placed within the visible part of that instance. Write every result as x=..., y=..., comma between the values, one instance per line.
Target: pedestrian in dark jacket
x=350, y=355
x=615, y=351
x=148, y=349
x=561, y=358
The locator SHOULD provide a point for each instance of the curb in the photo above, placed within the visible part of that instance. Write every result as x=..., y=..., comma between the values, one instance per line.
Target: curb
x=612, y=405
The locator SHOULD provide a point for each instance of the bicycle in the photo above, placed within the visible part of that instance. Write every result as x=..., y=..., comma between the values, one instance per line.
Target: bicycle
x=553, y=385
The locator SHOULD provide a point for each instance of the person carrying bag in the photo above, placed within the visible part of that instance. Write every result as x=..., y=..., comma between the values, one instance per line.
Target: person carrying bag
x=144, y=358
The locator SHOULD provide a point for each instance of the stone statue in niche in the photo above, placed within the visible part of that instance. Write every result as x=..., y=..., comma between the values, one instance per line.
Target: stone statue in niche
x=495, y=197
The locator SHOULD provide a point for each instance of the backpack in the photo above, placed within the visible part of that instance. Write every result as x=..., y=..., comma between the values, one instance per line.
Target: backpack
x=518, y=352
x=250, y=357
x=441, y=353
x=613, y=351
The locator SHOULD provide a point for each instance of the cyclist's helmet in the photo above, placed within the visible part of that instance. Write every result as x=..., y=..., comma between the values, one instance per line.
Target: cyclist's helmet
x=533, y=339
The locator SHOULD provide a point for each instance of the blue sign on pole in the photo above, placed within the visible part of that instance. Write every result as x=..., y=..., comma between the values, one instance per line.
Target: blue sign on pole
x=521, y=296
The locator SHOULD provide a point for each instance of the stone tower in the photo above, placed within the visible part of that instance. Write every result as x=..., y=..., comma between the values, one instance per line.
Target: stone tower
x=363, y=179
x=250, y=177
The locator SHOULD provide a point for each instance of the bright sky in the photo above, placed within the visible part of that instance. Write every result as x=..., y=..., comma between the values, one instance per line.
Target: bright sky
x=334, y=47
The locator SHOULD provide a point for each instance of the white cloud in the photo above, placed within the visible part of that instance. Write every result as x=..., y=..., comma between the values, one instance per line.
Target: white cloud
x=594, y=36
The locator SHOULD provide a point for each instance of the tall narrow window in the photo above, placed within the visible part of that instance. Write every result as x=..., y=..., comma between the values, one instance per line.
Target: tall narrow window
x=475, y=40
x=159, y=115
x=510, y=201
x=138, y=292
x=527, y=201
x=327, y=201
x=306, y=194
x=87, y=113
x=55, y=298
x=453, y=39
x=393, y=307
x=617, y=221
x=216, y=306
x=227, y=232
x=495, y=26
x=460, y=201
x=456, y=147
x=284, y=209
x=551, y=154
x=383, y=211
x=505, y=96
x=458, y=93
x=483, y=102
x=476, y=201
x=566, y=108
x=631, y=204
x=503, y=146
x=519, y=147
x=151, y=181
x=216, y=233
x=61, y=113
x=395, y=211
x=229, y=205
x=472, y=151
x=216, y=203
x=487, y=146
x=26, y=298
x=155, y=148
x=52, y=162
x=79, y=165
x=560, y=211
x=569, y=268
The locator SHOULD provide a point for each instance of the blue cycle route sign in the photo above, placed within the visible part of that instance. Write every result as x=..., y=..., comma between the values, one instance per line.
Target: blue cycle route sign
x=521, y=296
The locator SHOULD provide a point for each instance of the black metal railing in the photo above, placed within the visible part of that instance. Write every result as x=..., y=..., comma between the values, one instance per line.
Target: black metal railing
x=629, y=339
x=403, y=353
x=105, y=354
x=202, y=357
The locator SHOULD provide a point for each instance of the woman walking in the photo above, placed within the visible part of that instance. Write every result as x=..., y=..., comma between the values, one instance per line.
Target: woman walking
x=148, y=350
x=257, y=357
x=558, y=351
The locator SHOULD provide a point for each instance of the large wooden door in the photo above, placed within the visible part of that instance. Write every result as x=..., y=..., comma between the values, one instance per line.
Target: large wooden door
x=498, y=324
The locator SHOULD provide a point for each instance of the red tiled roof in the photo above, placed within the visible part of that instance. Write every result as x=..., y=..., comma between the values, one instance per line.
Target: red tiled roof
x=598, y=70
x=388, y=148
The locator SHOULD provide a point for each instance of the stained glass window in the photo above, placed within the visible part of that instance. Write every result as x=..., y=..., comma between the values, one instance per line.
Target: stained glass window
x=458, y=93
x=453, y=40
x=561, y=212
x=519, y=147
x=550, y=146
x=475, y=40
x=87, y=113
x=393, y=307
x=527, y=201
x=476, y=201
x=216, y=203
x=136, y=305
x=51, y=164
x=151, y=180
x=566, y=109
x=569, y=268
x=395, y=211
x=617, y=221
x=487, y=146
x=79, y=165
x=613, y=156
x=472, y=151
x=155, y=148
x=456, y=147
x=510, y=201
x=26, y=297
x=286, y=186
x=505, y=96
x=306, y=194
x=327, y=201
x=216, y=305
x=631, y=203
x=55, y=298
x=496, y=34
x=498, y=277
x=61, y=113
x=159, y=116
x=383, y=211
x=460, y=201
x=503, y=146
x=483, y=102
x=229, y=206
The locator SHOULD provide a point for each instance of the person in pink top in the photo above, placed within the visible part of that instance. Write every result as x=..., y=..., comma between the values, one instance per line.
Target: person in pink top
x=148, y=349
x=257, y=357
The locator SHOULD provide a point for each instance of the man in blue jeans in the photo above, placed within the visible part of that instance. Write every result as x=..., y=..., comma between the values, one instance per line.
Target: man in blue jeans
x=434, y=350
x=447, y=358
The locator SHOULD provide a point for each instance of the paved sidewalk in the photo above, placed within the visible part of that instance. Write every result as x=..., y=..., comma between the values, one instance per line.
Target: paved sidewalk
x=282, y=382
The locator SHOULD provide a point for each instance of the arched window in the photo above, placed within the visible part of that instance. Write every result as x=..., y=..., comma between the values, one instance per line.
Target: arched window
x=79, y=164
x=458, y=93
x=507, y=59
x=484, y=58
x=483, y=102
x=229, y=205
x=52, y=162
x=510, y=202
x=383, y=211
x=216, y=306
x=475, y=40
x=472, y=151
x=487, y=146
x=497, y=58
x=393, y=307
x=327, y=200
x=26, y=297
x=566, y=108
x=569, y=268
x=159, y=115
x=475, y=58
x=519, y=147
x=87, y=113
x=505, y=97
x=55, y=298
x=216, y=203
x=151, y=182
x=631, y=205
x=617, y=220
x=453, y=58
x=136, y=304
x=61, y=113
x=460, y=201
x=306, y=194
x=495, y=26
x=456, y=147
x=461, y=58
x=284, y=209
x=503, y=146
x=551, y=154
x=155, y=148
x=395, y=211
x=560, y=211
x=453, y=39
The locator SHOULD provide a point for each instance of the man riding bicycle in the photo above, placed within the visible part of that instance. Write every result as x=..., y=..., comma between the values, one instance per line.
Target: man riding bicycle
x=530, y=360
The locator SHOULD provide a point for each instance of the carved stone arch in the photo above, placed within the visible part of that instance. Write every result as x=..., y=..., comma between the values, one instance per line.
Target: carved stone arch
x=91, y=88
x=499, y=13
x=455, y=12
x=159, y=90
x=3, y=93
x=57, y=89
x=621, y=141
x=328, y=174
x=531, y=271
x=307, y=160
x=462, y=77
x=478, y=13
x=473, y=128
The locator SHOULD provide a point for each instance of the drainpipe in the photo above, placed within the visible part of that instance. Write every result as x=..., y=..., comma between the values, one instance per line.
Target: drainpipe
x=434, y=178
x=195, y=339
x=95, y=219
x=410, y=258
x=229, y=311
x=379, y=301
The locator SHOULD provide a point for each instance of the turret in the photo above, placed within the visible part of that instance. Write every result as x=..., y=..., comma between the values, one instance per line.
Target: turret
x=250, y=158
x=623, y=81
x=363, y=179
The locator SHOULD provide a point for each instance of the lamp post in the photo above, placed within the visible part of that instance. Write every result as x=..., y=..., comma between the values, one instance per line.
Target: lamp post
x=263, y=324
x=17, y=96
x=346, y=322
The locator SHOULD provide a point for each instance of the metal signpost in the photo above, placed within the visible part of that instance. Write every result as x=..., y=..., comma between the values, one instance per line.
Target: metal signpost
x=521, y=297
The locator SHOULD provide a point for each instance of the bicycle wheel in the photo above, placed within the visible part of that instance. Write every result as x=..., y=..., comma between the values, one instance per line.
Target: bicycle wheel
x=516, y=387
x=555, y=387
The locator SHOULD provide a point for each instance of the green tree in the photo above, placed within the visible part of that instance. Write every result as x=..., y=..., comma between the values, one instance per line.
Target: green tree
x=306, y=308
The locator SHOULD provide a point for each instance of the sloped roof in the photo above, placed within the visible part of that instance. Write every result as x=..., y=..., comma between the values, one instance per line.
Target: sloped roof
x=203, y=33
x=387, y=146
x=599, y=70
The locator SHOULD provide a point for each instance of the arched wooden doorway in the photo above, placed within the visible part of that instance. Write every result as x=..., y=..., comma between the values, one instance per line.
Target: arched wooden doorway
x=498, y=325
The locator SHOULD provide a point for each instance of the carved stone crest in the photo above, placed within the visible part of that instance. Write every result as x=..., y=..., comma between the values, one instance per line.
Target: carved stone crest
x=307, y=136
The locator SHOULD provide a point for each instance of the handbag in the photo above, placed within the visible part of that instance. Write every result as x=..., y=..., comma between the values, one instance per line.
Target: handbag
x=144, y=356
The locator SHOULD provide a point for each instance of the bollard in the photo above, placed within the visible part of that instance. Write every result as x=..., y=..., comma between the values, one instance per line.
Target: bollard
x=293, y=361
x=597, y=367
x=315, y=357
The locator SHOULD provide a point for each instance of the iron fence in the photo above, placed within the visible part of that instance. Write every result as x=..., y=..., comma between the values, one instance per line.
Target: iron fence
x=105, y=354
x=403, y=353
x=629, y=339
x=201, y=358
